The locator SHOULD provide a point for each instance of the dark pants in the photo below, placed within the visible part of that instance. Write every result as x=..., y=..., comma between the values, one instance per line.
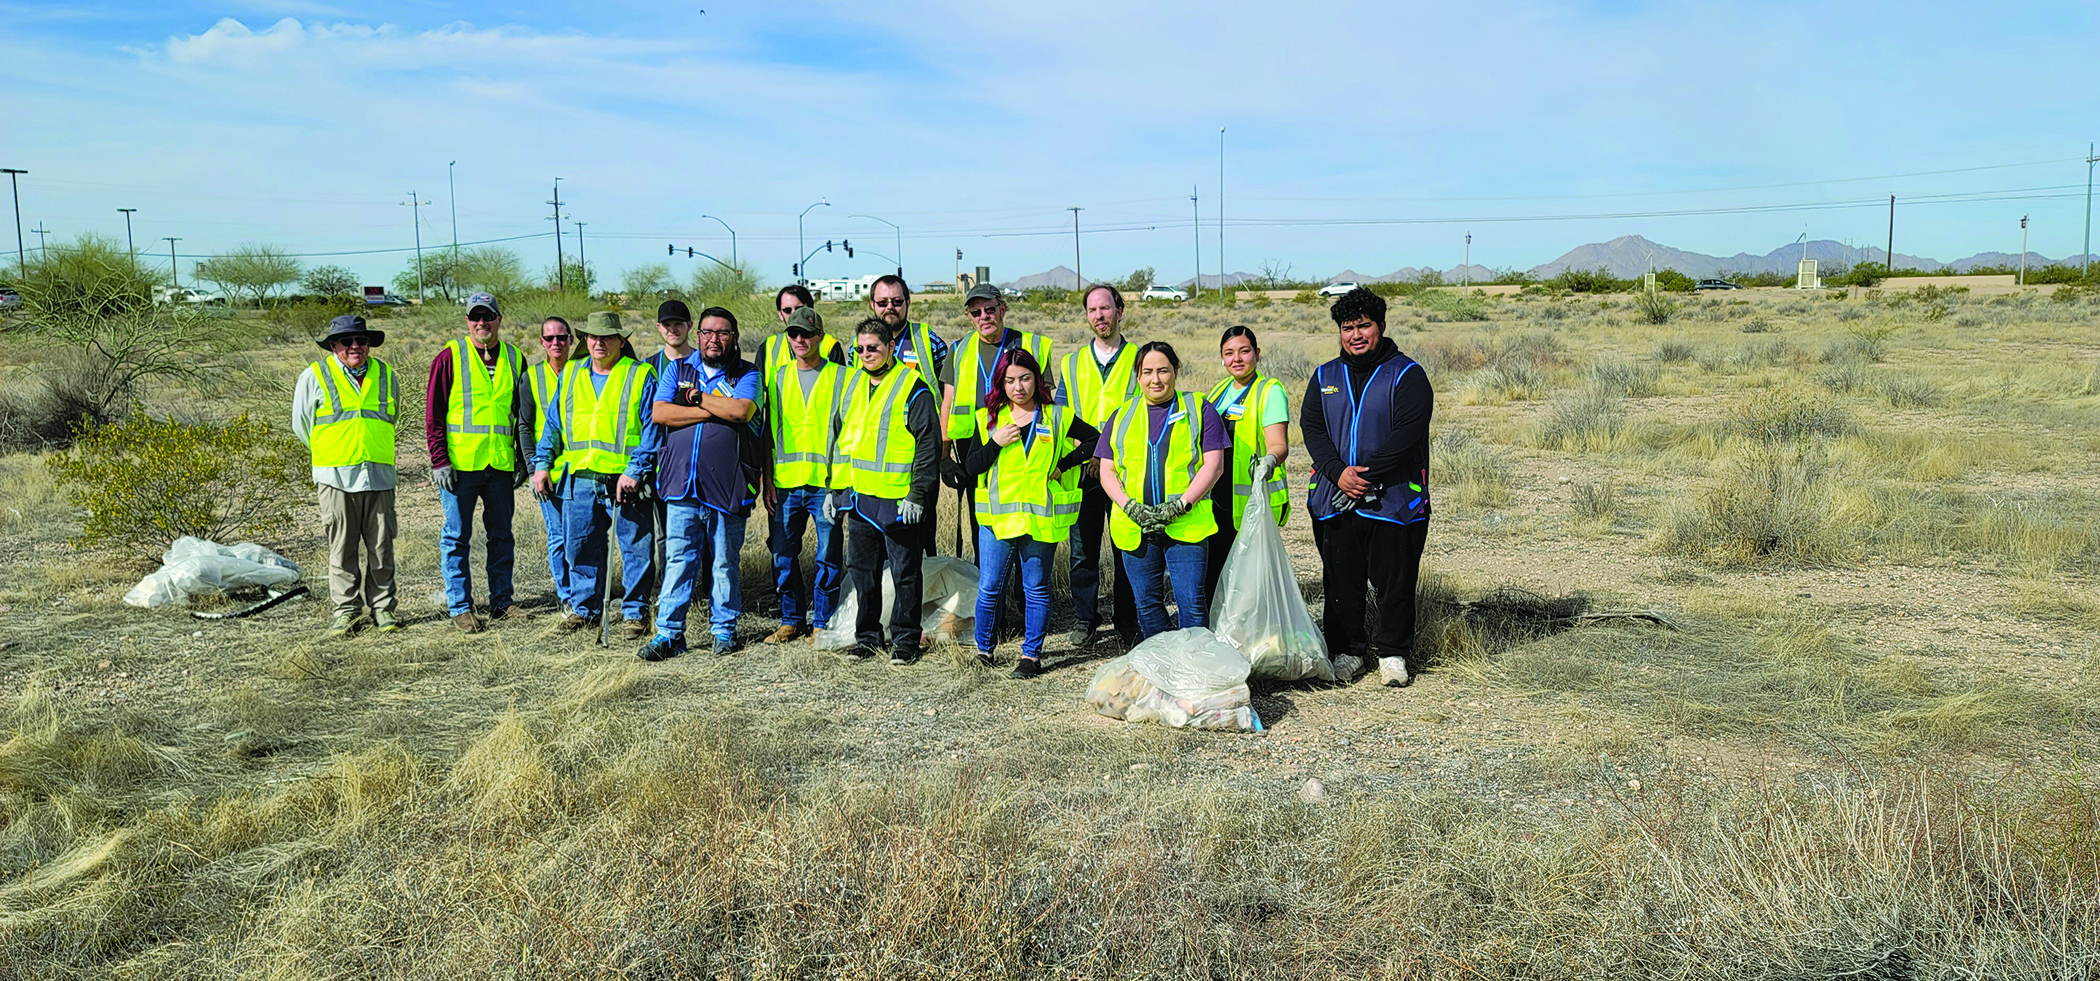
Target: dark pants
x=867, y=548
x=1358, y=552
x=1220, y=543
x=1086, y=544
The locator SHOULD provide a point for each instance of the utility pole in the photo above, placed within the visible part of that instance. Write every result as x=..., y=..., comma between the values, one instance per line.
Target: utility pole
x=415, y=205
x=732, y=242
x=2084, y=270
x=22, y=261
x=128, y=247
x=561, y=281
x=2023, y=250
x=958, y=267
x=452, y=201
x=582, y=268
x=1465, y=272
x=1078, y=280
x=174, y=265
x=40, y=231
x=1221, y=215
x=1197, y=216
x=1890, y=257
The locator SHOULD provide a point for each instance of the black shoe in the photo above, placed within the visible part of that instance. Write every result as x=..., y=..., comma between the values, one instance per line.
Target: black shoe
x=726, y=644
x=1027, y=667
x=1082, y=636
x=661, y=648
x=901, y=656
x=864, y=651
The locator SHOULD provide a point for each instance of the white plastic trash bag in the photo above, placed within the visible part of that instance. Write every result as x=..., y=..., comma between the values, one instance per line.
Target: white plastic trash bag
x=193, y=565
x=1258, y=608
x=1181, y=678
x=947, y=604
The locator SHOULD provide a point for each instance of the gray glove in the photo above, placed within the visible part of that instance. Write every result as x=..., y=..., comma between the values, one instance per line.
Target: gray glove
x=831, y=506
x=1264, y=467
x=1139, y=513
x=910, y=512
x=444, y=478
x=1342, y=503
x=1166, y=513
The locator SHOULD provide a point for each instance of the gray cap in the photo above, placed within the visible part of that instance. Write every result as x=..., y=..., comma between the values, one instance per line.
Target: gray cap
x=484, y=300
x=982, y=291
x=602, y=323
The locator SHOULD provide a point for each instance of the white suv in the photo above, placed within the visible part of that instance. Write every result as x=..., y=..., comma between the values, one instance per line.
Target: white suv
x=1159, y=292
x=1336, y=289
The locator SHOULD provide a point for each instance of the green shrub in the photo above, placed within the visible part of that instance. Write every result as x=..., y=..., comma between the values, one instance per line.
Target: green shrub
x=1624, y=378
x=1307, y=295
x=145, y=482
x=90, y=277
x=1674, y=352
x=1910, y=392
x=1587, y=421
x=1655, y=307
x=1787, y=416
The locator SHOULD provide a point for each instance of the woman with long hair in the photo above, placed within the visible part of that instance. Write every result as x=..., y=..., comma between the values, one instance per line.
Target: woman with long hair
x=1026, y=465
x=1161, y=452
x=1257, y=415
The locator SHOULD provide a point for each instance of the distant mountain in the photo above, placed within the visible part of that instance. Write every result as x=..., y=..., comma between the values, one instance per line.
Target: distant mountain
x=1057, y=277
x=1627, y=256
x=1409, y=274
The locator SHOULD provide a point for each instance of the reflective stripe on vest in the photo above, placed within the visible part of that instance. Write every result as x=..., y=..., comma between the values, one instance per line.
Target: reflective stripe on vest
x=354, y=425
x=962, y=417
x=1250, y=443
x=477, y=418
x=878, y=457
x=803, y=432
x=542, y=375
x=1177, y=470
x=599, y=433
x=1087, y=390
x=1018, y=496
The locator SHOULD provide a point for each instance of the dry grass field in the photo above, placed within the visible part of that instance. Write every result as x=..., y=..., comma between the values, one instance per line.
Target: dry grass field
x=1856, y=750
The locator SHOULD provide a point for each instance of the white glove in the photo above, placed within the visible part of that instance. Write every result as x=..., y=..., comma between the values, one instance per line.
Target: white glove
x=831, y=506
x=1264, y=467
x=910, y=512
x=444, y=477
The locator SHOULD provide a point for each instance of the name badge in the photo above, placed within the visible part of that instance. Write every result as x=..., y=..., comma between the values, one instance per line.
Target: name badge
x=1176, y=416
x=1042, y=429
x=909, y=357
x=1234, y=413
x=1329, y=390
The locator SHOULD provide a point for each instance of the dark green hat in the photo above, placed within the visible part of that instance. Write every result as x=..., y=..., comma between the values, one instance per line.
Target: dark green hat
x=602, y=323
x=805, y=321
x=982, y=291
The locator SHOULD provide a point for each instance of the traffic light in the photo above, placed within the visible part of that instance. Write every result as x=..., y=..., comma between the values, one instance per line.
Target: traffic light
x=848, y=243
x=670, y=249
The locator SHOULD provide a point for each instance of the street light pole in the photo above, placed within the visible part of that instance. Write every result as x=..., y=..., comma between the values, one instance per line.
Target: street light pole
x=1078, y=280
x=801, y=279
x=2023, y=250
x=2084, y=270
x=22, y=253
x=174, y=264
x=1465, y=272
x=128, y=247
x=1221, y=214
x=583, y=267
x=732, y=239
x=1196, y=217
x=415, y=205
x=452, y=200
x=899, y=257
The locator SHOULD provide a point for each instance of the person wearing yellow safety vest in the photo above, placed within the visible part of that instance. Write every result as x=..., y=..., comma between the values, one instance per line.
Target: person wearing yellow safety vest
x=597, y=448
x=1257, y=412
x=477, y=425
x=889, y=442
x=1026, y=472
x=344, y=409
x=1095, y=380
x=970, y=363
x=804, y=399
x=773, y=349
x=558, y=342
x=919, y=348
x=1160, y=454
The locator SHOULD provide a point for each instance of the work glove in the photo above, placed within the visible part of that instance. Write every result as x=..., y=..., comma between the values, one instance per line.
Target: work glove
x=444, y=477
x=1264, y=467
x=1168, y=512
x=1139, y=513
x=518, y=477
x=831, y=506
x=1342, y=503
x=952, y=473
x=910, y=512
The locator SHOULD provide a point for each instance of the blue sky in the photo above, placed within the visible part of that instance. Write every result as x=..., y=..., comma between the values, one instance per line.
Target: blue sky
x=974, y=125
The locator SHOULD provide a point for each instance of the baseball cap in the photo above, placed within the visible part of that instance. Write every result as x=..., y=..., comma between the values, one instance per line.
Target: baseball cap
x=603, y=323
x=804, y=321
x=981, y=291
x=673, y=310
x=484, y=300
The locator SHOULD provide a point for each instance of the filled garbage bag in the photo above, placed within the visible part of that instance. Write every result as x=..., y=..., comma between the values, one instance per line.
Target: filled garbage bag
x=947, y=604
x=1258, y=607
x=193, y=565
x=1181, y=678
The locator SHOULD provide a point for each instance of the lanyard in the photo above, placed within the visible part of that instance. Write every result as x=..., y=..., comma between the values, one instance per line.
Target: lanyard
x=1155, y=464
x=984, y=370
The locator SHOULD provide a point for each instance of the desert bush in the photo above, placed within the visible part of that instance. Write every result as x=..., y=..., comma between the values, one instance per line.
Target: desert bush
x=1757, y=324
x=1307, y=296
x=91, y=276
x=1770, y=504
x=1506, y=383
x=1597, y=501
x=1864, y=343
x=1624, y=378
x=1654, y=306
x=1445, y=307
x=1788, y=416
x=1910, y=392
x=65, y=400
x=145, y=482
x=1765, y=354
x=1470, y=472
x=1844, y=377
x=1673, y=352
x=1588, y=420
x=122, y=340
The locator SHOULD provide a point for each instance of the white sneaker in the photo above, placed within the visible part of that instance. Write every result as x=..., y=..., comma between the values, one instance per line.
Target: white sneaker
x=1393, y=672
x=1347, y=667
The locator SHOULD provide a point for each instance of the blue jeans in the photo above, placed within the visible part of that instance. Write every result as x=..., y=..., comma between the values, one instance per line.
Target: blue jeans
x=996, y=558
x=492, y=490
x=588, y=511
x=557, y=545
x=696, y=538
x=1150, y=566
x=797, y=508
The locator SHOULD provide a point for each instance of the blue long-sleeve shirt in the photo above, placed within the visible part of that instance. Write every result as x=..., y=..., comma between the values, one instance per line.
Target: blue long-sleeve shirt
x=640, y=462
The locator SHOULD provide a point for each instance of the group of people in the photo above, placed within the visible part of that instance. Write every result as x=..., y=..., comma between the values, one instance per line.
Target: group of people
x=666, y=456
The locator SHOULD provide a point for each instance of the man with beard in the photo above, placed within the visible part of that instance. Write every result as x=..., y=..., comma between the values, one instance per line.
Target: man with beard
x=1366, y=425
x=918, y=348
x=1097, y=380
x=708, y=477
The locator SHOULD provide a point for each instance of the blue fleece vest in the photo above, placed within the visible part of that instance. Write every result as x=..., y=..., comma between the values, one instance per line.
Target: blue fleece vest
x=1359, y=427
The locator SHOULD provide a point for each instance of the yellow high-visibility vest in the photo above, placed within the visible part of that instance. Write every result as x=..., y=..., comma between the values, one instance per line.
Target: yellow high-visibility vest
x=1019, y=496
x=804, y=427
x=1088, y=390
x=969, y=394
x=477, y=416
x=875, y=442
x=543, y=376
x=354, y=425
x=777, y=352
x=599, y=430
x=920, y=357
x=1243, y=417
x=1181, y=444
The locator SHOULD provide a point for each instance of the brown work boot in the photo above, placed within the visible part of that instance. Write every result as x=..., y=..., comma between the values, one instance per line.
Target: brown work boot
x=572, y=622
x=634, y=629
x=787, y=632
x=468, y=623
x=513, y=612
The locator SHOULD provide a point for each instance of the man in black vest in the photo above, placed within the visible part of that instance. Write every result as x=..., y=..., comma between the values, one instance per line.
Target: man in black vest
x=1366, y=425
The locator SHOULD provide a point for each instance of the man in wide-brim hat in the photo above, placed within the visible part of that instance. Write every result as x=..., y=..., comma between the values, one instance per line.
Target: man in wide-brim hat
x=343, y=409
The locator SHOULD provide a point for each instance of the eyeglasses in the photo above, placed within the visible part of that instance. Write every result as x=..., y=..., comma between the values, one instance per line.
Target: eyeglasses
x=718, y=333
x=867, y=348
x=891, y=303
x=483, y=318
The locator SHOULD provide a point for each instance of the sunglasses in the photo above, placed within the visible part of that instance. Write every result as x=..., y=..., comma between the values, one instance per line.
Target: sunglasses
x=355, y=340
x=483, y=318
x=867, y=348
x=557, y=339
x=888, y=304
x=984, y=311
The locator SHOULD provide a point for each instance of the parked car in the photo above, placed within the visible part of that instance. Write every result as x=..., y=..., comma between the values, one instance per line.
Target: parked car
x=1336, y=289
x=938, y=286
x=385, y=300
x=1013, y=292
x=9, y=299
x=1157, y=291
x=1715, y=284
x=185, y=294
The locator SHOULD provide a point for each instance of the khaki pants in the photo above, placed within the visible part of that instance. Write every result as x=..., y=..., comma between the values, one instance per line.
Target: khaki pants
x=359, y=525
